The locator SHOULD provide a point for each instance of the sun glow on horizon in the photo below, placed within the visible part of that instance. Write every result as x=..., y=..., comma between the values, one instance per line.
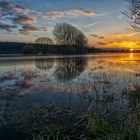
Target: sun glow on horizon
x=131, y=50
x=124, y=44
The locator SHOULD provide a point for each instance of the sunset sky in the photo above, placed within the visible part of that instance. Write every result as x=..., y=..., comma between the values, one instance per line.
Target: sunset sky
x=101, y=20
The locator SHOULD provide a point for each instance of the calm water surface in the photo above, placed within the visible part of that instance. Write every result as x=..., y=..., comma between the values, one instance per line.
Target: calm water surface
x=63, y=81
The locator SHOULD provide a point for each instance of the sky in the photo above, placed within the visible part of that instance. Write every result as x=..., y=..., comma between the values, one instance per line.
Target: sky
x=101, y=20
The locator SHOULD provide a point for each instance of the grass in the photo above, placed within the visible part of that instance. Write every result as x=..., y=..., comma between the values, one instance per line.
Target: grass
x=54, y=123
x=93, y=123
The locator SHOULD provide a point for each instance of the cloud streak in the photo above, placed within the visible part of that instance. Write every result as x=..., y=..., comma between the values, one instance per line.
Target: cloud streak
x=97, y=36
x=26, y=29
x=91, y=24
x=61, y=14
x=79, y=11
x=52, y=15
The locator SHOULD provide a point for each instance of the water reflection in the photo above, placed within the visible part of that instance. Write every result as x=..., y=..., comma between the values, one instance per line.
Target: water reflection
x=68, y=69
x=131, y=56
x=44, y=64
x=52, y=79
x=63, y=70
x=102, y=79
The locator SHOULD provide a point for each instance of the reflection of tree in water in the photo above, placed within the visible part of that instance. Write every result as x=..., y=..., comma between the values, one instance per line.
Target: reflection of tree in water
x=69, y=69
x=44, y=64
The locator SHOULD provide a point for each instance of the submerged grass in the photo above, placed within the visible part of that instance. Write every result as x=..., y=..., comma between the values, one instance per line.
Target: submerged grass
x=92, y=124
x=58, y=123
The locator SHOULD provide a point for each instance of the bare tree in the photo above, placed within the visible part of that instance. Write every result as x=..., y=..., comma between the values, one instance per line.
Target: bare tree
x=44, y=40
x=133, y=13
x=66, y=34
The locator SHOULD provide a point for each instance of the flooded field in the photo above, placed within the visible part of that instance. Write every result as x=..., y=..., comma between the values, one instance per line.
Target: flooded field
x=77, y=83
x=43, y=80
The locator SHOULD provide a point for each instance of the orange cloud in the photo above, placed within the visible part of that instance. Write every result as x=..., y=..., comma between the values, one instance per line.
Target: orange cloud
x=45, y=29
x=52, y=15
x=24, y=19
x=29, y=29
x=79, y=12
x=125, y=39
x=124, y=44
x=60, y=14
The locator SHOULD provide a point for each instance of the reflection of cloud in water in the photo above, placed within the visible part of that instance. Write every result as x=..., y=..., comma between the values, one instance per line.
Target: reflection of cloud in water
x=69, y=69
x=44, y=64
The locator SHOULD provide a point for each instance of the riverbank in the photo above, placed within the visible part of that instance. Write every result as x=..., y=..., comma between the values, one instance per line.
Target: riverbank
x=14, y=48
x=45, y=57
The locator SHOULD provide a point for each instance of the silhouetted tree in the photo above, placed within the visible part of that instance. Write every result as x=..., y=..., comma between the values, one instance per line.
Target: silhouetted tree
x=44, y=40
x=133, y=13
x=66, y=34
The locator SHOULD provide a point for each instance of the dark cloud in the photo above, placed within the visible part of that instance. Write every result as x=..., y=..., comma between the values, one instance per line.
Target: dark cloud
x=93, y=35
x=8, y=8
x=101, y=37
x=21, y=16
x=24, y=19
x=27, y=29
x=7, y=27
x=21, y=9
x=102, y=43
x=96, y=36
x=18, y=14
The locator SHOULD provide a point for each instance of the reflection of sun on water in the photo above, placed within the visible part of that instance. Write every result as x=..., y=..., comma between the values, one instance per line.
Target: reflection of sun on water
x=131, y=56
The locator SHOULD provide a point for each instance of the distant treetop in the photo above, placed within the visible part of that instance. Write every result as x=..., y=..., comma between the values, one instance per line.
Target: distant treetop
x=44, y=40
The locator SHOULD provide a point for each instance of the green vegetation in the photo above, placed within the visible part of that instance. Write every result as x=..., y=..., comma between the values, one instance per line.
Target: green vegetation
x=58, y=123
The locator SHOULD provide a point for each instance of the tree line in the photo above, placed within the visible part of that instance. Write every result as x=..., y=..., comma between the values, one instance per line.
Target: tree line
x=64, y=35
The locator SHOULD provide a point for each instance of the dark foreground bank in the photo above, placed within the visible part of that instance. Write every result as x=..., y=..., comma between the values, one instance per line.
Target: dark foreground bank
x=58, y=123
